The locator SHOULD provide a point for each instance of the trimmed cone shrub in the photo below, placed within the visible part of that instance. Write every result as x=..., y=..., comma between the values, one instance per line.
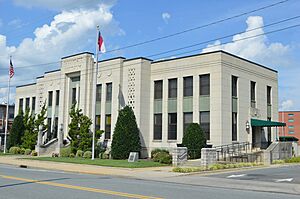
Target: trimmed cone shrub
x=27, y=151
x=14, y=150
x=17, y=131
x=87, y=154
x=79, y=153
x=65, y=152
x=126, y=136
x=194, y=139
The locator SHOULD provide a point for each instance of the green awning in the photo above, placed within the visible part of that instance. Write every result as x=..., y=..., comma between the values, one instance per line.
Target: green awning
x=265, y=123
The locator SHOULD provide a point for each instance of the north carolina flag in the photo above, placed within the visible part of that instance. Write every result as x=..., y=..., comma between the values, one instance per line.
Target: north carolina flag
x=11, y=69
x=101, y=43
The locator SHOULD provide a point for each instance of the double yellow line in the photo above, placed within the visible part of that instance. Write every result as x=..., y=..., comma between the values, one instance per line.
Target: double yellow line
x=103, y=191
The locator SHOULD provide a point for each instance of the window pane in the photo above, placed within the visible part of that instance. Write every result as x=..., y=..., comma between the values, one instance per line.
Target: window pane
x=187, y=120
x=234, y=126
x=108, y=91
x=205, y=123
x=97, y=122
x=107, y=126
x=57, y=98
x=268, y=94
x=21, y=104
x=98, y=92
x=33, y=104
x=172, y=127
x=172, y=88
x=252, y=91
x=157, y=127
x=50, y=96
x=73, y=95
x=27, y=103
x=188, y=86
x=234, y=86
x=204, y=84
x=158, y=89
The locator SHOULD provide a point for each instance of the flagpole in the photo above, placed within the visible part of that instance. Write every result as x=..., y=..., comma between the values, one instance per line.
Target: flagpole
x=7, y=108
x=94, y=96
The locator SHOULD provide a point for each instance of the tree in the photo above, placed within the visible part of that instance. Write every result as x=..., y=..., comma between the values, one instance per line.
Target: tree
x=126, y=137
x=194, y=139
x=79, y=130
x=16, y=131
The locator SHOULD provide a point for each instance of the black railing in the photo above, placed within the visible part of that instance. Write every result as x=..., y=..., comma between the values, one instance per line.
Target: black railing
x=234, y=150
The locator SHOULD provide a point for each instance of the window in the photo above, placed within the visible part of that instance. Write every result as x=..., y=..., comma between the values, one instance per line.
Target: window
x=172, y=88
x=268, y=95
x=27, y=101
x=234, y=86
x=291, y=132
x=269, y=131
x=33, y=104
x=205, y=123
x=57, y=98
x=98, y=93
x=204, y=84
x=252, y=94
x=108, y=92
x=50, y=96
x=188, y=86
x=49, y=120
x=291, y=115
x=55, y=127
x=172, y=127
x=234, y=126
x=291, y=127
x=187, y=120
x=157, y=127
x=21, y=104
x=291, y=120
x=73, y=95
x=75, y=79
x=158, y=89
x=97, y=122
x=107, y=126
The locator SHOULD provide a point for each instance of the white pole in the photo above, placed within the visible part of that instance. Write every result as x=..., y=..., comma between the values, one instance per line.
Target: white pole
x=94, y=96
x=7, y=106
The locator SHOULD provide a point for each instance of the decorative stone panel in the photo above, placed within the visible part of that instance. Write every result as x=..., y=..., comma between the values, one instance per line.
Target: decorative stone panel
x=131, y=87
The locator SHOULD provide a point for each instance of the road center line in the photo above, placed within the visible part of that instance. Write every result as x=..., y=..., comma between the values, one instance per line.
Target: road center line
x=109, y=192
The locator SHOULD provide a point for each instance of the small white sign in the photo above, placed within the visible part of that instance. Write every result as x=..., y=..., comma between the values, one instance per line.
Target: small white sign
x=133, y=157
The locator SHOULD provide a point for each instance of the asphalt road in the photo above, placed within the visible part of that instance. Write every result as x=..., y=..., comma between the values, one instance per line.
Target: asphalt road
x=285, y=174
x=21, y=183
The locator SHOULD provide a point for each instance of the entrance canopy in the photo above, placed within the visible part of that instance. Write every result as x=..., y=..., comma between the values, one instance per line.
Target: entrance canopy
x=265, y=123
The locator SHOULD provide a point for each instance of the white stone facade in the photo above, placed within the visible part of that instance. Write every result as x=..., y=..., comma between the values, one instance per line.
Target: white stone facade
x=134, y=79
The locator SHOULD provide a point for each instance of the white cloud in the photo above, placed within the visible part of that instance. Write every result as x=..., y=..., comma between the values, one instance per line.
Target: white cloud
x=257, y=48
x=166, y=17
x=286, y=105
x=69, y=32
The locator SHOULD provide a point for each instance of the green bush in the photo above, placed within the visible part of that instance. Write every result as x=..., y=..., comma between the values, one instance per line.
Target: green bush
x=27, y=151
x=293, y=160
x=126, y=136
x=22, y=151
x=162, y=157
x=79, y=153
x=33, y=153
x=14, y=150
x=155, y=151
x=87, y=154
x=65, y=152
x=194, y=139
x=72, y=155
x=17, y=131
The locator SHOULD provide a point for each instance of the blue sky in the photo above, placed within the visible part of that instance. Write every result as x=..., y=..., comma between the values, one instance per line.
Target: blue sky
x=37, y=33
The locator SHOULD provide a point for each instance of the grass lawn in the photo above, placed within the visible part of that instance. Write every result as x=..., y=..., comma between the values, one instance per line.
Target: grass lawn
x=102, y=162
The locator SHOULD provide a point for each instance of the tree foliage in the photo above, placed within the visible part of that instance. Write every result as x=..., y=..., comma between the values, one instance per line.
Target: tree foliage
x=194, y=139
x=16, y=132
x=126, y=137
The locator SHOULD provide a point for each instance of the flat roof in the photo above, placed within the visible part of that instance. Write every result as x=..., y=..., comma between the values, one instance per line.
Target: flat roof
x=77, y=54
x=52, y=71
x=25, y=85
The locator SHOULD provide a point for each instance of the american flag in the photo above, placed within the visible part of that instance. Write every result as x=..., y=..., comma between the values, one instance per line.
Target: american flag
x=11, y=69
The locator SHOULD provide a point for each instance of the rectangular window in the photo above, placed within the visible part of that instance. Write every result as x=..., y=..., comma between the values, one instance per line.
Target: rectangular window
x=291, y=127
x=187, y=120
x=291, y=120
x=107, y=126
x=98, y=92
x=253, y=94
x=188, y=86
x=204, y=84
x=157, y=127
x=75, y=79
x=291, y=115
x=97, y=122
x=269, y=131
x=49, y=121
x=73, y=95
x=234, y=126
x=55, y=127
x=234, y=86
x=172, y=88
x=108, y=92
x=21, y=104
x=269, y=95
x=50, y=96
x=33, y=104
x=205, y=123
x=291, y=132
x=27, y=102
x=172, y=127
x=158, y=89
x=57, y=98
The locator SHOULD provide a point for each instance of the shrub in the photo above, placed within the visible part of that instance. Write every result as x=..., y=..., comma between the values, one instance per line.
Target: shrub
x=194, y=139
x=155, y=151
x=55, y=155
x=79, y=153
x=72, y=155
x=14, y=150
x=126, y=136
x=17, y=131
x=22, y=151
x=293, y=160
x=27, y=151
x=162, y=157
x=87, y=154
x=33, y=153
x=65, y=152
